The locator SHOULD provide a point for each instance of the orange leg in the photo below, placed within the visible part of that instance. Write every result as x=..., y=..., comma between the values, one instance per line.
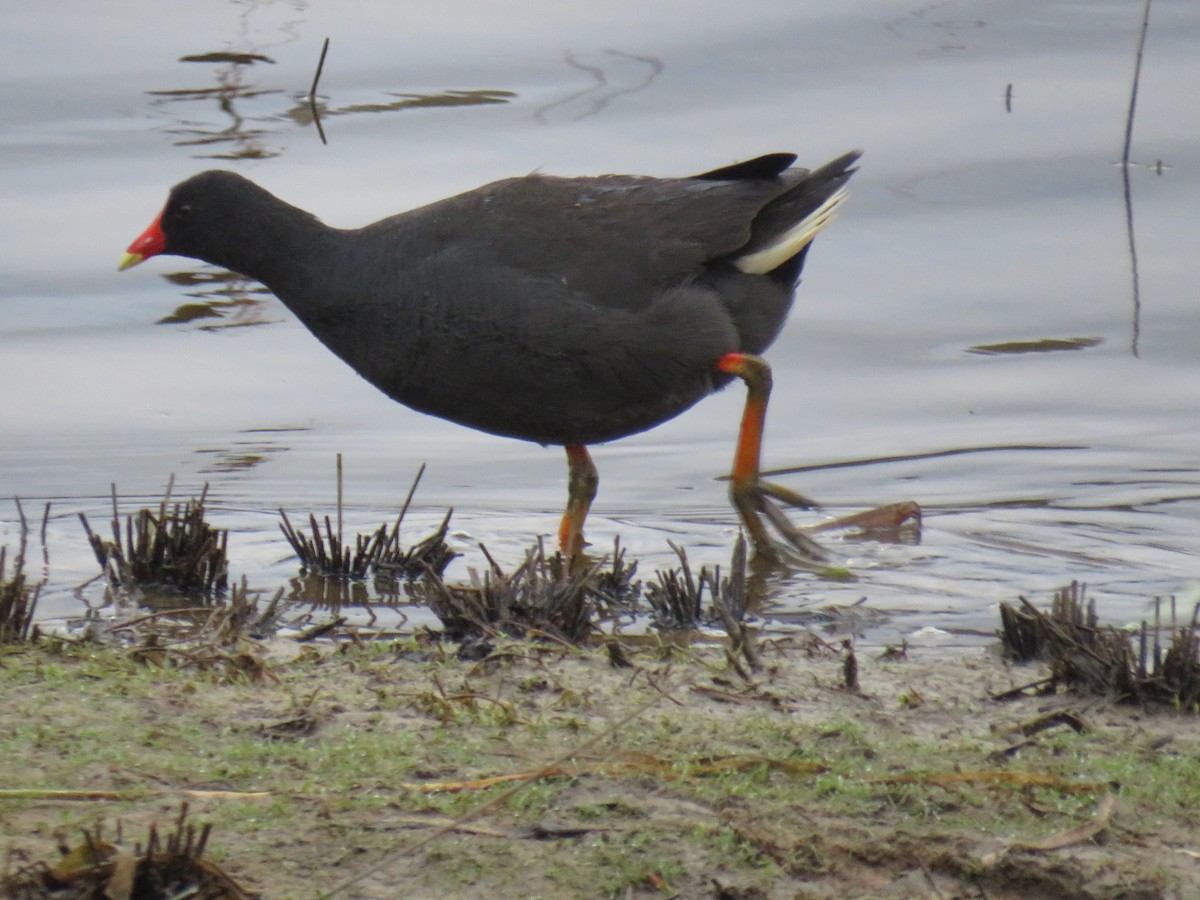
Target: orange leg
x=582, y=481
x=750, y=495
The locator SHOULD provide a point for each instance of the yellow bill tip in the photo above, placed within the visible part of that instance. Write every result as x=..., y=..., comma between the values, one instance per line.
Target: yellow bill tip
x=129, y=260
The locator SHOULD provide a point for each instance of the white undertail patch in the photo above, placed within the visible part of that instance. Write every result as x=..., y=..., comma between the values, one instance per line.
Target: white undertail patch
x=793, y=240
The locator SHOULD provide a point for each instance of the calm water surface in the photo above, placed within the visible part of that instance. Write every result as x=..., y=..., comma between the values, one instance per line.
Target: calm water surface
x=984, y=215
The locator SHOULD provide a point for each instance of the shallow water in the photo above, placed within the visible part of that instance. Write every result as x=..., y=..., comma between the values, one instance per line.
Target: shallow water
x=981, y=217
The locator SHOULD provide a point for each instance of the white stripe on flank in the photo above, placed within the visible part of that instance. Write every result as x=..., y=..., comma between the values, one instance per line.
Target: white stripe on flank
x=793, y=240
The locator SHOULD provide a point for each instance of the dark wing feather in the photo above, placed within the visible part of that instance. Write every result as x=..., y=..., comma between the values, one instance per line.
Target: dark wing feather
x=613, y=241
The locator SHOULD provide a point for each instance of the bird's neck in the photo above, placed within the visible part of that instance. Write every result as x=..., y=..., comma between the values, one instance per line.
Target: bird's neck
x=289, y=250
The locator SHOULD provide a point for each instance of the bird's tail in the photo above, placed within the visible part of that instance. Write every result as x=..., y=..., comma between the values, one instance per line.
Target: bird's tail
x=787, y=225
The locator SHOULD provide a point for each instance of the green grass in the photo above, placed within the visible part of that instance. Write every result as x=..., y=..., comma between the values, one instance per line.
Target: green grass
x=99, y=719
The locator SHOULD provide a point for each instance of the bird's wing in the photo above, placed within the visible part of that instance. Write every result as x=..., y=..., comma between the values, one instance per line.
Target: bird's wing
x=613, y=241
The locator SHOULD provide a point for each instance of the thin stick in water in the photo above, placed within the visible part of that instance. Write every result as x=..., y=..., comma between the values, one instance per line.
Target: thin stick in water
x=1137, y=76
x=312, y=92
x=1133, y=261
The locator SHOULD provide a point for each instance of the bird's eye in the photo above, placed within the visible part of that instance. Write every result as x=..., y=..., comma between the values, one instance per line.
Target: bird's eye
x=183, y=211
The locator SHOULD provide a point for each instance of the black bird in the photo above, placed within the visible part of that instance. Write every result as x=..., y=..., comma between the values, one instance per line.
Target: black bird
x=564, y=311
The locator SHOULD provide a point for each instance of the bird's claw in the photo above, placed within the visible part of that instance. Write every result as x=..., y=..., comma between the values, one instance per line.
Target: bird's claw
x=787, y=495
x=755, y=504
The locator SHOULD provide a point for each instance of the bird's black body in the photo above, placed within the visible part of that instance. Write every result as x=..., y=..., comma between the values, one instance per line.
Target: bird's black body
x=557, y=310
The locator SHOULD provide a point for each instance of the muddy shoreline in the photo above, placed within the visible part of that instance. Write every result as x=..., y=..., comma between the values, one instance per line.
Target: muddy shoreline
x=385, y=769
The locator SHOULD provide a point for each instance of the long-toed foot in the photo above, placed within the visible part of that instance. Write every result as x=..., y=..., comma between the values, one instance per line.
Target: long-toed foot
x=753, y=497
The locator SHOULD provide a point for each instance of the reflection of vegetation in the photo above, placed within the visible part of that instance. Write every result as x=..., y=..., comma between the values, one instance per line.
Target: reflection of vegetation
x=230, y=460
x=232, y=299
x=231, y=86
x=247, y=453
x=301, y=113
x=174, y=550
x=248, y=136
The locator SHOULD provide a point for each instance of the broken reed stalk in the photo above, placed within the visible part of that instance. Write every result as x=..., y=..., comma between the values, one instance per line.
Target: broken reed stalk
x=1102, y=660
x=729, y=602
x=543, y=597
x=378, y=553
x=676, y=598
x=850, y=667
x=339, y=497
x=616, y=583
x=239, y=617
x=19, y=597
x=98, y=867
x=176, y=549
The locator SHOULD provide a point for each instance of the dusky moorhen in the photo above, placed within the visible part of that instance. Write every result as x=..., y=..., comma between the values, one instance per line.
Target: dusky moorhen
x=558, y=310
